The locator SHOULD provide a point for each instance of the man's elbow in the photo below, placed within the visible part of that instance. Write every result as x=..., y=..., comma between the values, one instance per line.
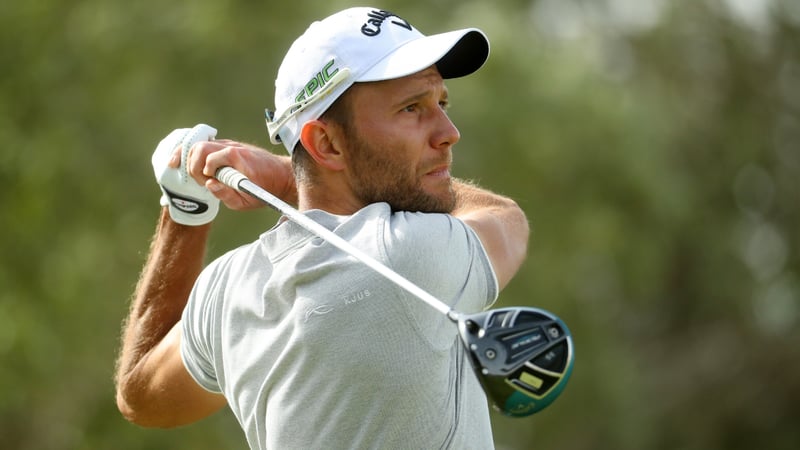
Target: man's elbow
x=524, y=233
x=513, y=243
x=141, y=412
x=130, y=411
x=516, y=234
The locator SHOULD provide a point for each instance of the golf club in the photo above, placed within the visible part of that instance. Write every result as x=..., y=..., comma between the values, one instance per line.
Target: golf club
x=522, y=356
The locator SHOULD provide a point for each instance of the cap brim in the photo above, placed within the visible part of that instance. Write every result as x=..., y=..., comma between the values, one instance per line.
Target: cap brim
x=455, y=53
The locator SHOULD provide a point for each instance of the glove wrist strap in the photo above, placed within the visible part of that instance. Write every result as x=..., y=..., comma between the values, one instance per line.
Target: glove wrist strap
x=185, y=204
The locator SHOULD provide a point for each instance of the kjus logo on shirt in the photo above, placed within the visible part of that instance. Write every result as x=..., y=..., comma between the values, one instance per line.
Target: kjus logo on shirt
x=320, y=310
x=346, y=300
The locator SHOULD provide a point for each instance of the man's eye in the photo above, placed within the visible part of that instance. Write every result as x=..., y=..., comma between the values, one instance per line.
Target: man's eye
x=410, y=108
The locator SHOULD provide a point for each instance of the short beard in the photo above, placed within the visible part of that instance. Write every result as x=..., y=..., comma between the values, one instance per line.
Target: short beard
x=379, y=179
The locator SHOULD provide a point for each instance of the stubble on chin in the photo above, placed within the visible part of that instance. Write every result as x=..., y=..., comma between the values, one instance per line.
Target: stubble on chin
x=424, y=202
x=383, y=180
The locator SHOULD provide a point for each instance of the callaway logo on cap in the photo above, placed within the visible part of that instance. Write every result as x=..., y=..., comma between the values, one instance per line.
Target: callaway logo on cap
x=360, y=45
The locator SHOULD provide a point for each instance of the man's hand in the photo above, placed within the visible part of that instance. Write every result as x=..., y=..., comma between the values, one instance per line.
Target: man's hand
x=271, y=172
x=189, y=203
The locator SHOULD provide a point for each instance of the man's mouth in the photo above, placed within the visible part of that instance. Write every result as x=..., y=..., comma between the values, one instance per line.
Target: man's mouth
x=440, y=172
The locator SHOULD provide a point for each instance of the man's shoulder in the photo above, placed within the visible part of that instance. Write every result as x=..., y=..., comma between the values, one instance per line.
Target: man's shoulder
x=403, y=218
x=411, y=231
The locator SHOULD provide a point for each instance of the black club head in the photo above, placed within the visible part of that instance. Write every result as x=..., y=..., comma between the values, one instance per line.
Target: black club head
x=522, y=356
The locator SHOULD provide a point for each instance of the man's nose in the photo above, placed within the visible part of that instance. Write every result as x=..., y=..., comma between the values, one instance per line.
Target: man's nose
x=446, y=134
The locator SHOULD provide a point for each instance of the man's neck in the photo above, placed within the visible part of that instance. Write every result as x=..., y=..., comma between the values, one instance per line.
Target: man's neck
x=328, y=197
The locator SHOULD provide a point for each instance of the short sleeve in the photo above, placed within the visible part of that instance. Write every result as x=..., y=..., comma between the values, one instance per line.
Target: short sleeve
x=198, y=324
x=444, y=256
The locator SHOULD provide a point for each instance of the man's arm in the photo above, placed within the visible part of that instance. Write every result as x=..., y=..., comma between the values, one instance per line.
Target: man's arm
x=269, y=171
x=499, y=223
x=153, y=386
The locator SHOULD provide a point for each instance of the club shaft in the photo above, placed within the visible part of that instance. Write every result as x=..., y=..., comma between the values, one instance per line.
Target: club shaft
x=236, y=180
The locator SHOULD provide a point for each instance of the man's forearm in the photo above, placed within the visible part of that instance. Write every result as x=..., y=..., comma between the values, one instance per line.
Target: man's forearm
x=173, y=265
x=271, y=172
x=499, y=222
x=470, y=196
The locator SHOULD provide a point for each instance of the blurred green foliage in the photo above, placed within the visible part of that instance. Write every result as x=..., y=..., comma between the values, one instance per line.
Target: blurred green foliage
x=655, y=146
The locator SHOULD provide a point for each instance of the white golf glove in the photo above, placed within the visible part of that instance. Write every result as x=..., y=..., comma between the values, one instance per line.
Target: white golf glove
x=189, y=202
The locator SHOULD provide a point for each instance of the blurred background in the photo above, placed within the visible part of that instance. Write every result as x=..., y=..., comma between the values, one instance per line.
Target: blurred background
x=654, y=144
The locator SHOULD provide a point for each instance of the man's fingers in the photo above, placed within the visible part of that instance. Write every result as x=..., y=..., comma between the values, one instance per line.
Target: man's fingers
x=175, y=159
x=229, y=154
x=199, y=158
x=214, y=186
x=196, y=160
x=203, y=161
x=227, y=195
x=232, y=198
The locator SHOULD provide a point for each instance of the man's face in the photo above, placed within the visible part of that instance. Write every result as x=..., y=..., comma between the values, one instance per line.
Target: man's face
x=399, y=143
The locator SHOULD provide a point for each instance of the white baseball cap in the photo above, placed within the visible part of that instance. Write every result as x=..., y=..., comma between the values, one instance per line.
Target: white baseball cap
x=359, y=45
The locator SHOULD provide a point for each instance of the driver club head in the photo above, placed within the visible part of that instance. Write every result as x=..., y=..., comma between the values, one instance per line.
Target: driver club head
x=522, y=356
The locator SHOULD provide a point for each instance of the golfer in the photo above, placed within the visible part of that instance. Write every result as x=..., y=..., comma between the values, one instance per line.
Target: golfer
x=309, y=348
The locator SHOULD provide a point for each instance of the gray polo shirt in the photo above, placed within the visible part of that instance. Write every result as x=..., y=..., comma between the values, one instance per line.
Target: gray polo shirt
x=314, y=350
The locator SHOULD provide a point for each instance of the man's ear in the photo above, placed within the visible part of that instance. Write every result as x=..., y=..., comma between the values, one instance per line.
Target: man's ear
x=320, y=140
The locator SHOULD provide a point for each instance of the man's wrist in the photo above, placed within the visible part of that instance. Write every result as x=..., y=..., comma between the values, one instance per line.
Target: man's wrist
x=168, y=224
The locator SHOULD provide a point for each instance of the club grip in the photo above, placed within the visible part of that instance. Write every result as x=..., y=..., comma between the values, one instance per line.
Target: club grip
x=230, y=176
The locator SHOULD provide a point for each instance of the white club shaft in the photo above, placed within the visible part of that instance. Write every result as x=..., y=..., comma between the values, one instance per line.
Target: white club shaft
x=235, y=179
